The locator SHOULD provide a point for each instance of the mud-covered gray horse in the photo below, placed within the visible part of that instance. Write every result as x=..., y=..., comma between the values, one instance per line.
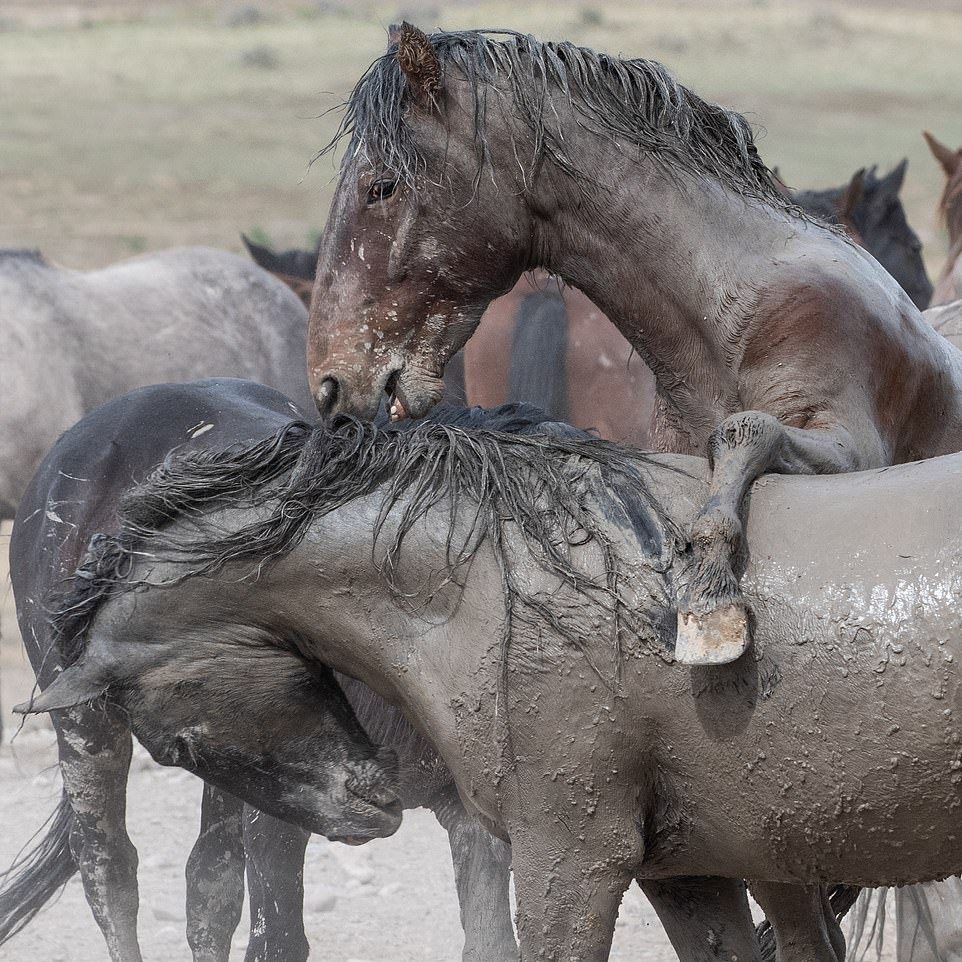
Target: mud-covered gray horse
x=515, y=595
x=264, y=729
x=75, y=339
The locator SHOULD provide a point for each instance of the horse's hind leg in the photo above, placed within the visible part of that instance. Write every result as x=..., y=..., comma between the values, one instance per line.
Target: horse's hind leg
x=215, y=877
x=805, y=927
x=712, y=614
x=275, y=879
x=705, y=919
x=95, y=750
x=482, y=867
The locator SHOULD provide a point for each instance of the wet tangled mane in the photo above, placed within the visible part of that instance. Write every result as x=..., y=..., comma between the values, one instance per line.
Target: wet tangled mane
x=488, y=471
x=637, y=101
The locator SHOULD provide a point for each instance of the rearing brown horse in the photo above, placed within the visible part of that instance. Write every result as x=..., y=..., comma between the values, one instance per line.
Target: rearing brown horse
x=777, y=344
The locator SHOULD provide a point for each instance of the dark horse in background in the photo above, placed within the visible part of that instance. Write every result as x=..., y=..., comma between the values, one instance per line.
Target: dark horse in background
x=262, y=727
x=776, y=343
x=522, y=574
x=544, y=343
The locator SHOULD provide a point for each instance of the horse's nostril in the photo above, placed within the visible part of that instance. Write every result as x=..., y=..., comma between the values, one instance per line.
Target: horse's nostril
x=326, y=396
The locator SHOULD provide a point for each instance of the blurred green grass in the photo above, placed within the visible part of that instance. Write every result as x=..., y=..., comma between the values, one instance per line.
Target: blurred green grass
x=140, y=126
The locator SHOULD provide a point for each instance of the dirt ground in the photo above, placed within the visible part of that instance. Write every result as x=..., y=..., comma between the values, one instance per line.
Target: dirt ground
x=392, y=900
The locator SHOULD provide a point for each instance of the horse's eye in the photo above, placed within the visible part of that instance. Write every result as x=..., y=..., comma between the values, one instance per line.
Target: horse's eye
x=381, y=190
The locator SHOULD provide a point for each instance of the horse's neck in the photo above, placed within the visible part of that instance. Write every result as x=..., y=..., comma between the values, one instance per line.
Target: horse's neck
x=674, y=262
x=335, y=591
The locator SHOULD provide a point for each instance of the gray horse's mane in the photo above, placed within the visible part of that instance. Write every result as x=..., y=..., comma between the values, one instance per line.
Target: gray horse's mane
x=486, y=470
x=637, y=101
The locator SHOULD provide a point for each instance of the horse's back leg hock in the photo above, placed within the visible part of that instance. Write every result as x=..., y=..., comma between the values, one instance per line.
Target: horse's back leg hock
x=482, y=865
x=215, y=877
x=95, y=751
x=713, y=626
x=275, y=880
x=705, y=919
x=803, y=933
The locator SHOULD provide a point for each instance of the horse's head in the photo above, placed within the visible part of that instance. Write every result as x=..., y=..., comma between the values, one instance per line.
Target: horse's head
x=257, y=721
x=420, y=236
x=880, y=225
x=950, y=204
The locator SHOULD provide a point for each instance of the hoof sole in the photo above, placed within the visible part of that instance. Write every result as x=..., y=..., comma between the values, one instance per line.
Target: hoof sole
x=717, y=638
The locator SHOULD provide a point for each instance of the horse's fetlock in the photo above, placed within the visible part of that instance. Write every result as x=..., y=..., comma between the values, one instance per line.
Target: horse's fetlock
x=716, y=529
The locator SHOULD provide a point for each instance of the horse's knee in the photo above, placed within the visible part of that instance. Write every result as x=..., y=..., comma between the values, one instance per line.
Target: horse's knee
x=215, y=877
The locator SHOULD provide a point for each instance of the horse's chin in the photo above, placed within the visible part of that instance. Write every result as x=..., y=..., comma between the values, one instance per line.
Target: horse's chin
x=415, y=392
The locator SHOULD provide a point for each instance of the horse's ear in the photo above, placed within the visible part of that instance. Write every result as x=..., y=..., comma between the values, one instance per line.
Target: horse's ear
x=892, y=182
x=851, y=196
x=260, y=255
x=76, y=685
x=417, y=59
x=948, y=158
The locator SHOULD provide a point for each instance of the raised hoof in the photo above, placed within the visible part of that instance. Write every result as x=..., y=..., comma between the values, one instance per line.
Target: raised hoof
x=716, y=638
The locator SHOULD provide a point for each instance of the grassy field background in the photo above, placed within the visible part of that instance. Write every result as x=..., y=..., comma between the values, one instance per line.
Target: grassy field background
x=129, y=126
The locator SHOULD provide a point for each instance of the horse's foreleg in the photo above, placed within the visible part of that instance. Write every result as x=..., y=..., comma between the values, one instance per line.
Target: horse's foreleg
x=275, y=879
x=567, y=905
x=804, y=930
x=712, y=614
x=705, y=919
x=215, y=877
x=482, y=865
x=95, y=749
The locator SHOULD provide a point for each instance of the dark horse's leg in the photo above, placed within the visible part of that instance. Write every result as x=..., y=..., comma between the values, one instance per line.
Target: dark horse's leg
x=712, y=615
x=95, y=749
x=706, y=919
x=803, y=921
x=215, y=877
x=482, y=865
x=275, y=879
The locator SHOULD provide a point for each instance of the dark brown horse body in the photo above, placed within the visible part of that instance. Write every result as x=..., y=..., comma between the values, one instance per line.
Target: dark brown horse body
x=949, y=286
x=777, y=344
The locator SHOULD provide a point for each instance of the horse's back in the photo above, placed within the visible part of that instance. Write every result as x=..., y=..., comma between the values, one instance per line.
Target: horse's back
x=197, y=312
x=947, y=320
x=75, y=492
x=77, y=338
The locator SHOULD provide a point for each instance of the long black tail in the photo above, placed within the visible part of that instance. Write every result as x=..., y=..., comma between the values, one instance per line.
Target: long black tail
x=538, y=353
x=36, y=877
x=842, y=897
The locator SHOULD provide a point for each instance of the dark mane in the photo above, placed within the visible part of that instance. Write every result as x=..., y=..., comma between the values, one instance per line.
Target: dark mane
x=637, y=101
x=509, y=467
